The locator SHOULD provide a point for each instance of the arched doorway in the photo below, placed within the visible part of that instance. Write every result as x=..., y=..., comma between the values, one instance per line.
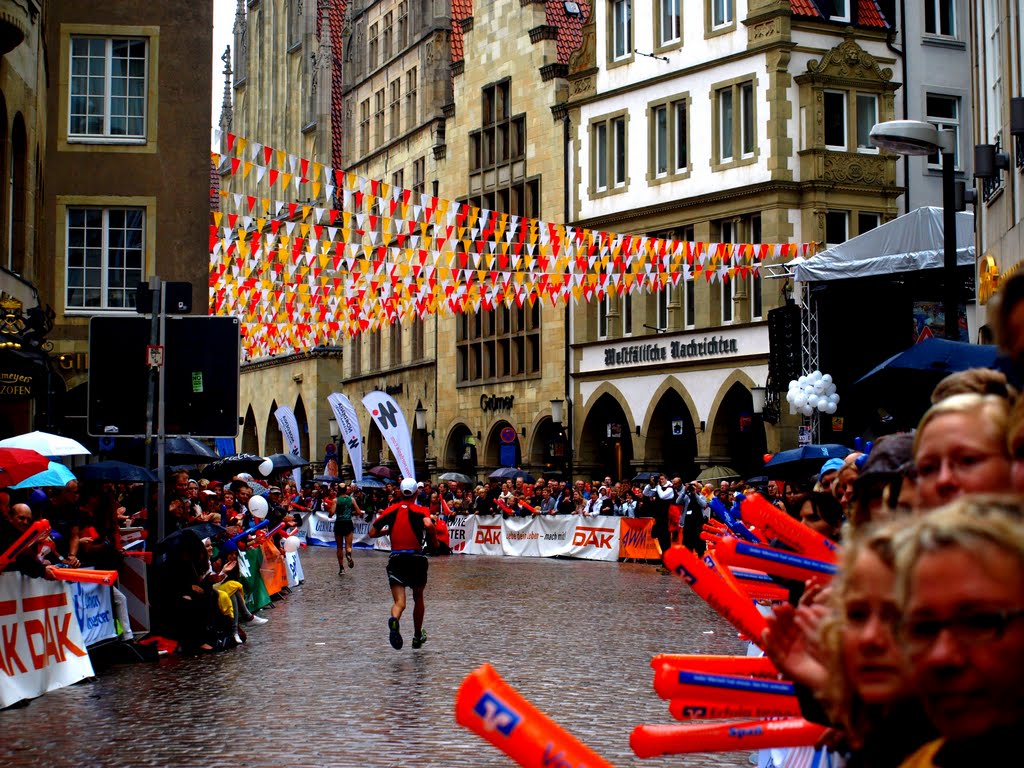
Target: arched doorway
x=672, y=437
x=460, y=451
x=250, y=437
x=737, y=438
x=274, y=440
x=606, y=447
x=502, y=446
x=548, y=450
x=303, y=423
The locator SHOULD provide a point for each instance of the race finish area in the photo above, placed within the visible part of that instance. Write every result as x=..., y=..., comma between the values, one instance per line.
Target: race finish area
x=319, y=685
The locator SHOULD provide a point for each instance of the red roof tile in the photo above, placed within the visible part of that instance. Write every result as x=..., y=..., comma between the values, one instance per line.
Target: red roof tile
x=570, y=28
x=461, y=9
x=804, y=8
x=868, y=12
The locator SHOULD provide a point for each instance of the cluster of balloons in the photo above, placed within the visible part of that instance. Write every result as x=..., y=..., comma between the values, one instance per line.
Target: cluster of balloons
x=813, y=392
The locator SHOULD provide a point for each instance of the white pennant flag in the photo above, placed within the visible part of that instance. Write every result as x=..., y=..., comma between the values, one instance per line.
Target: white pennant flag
x=390, y=420
x=348, y=428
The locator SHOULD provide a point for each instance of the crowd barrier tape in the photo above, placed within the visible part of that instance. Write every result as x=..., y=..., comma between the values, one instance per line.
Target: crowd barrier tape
x=737, y=609
x=655, y=740
x=695, y=709
x=43, y=648
x=774, y=561
x=491, y=708
x=756, y=666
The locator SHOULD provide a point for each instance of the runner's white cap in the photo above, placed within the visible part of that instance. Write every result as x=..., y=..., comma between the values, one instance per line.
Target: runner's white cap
x=408, y=486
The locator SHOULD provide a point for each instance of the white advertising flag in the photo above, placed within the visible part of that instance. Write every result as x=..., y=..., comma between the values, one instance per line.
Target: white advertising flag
x=392, y=425
x=290, y=435
x=348, y=428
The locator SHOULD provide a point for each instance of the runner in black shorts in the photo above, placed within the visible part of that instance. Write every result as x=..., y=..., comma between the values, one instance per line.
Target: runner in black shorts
x=407, y=524
x=344, y=507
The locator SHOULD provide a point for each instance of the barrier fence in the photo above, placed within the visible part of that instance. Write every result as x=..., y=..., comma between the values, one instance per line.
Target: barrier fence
x=588, y=538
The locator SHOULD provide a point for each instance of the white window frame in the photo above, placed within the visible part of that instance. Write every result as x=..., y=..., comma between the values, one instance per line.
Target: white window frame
x=846, y=215
x=993, y=77
x=936, y=6
x=756, y=294
x=748, y=125
x=106, y=136
x=663, y=299
x=603, y=311
x=620, y=151
x=867, y=148
x=105, y=255
x=690, y=302
x=844, y=14
x=626, y=307
x=725, y=127
x=681, y=107
x=621, y=29
x=945, y=123
x=659, y=118
x=845, y=122
x=722, y=13
x=667, y=11
x=600, y=139
x=861, y=214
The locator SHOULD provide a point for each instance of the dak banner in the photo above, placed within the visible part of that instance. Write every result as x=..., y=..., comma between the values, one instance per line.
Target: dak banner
x=94, y=611
x=348, y=428
x=290, y=434
x=392, y=425
x=43, y=648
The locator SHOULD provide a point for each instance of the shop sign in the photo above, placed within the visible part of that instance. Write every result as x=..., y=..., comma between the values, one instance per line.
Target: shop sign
x=708, y=347
x=17, y=379
x=496, y=403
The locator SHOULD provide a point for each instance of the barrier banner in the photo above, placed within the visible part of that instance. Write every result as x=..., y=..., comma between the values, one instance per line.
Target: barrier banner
x=94, y=610
x=43, y=648
x=457, y=533
x=636, y=541
x=483, y=535
x=521, y=537
x=595, y=538
x=318, y=531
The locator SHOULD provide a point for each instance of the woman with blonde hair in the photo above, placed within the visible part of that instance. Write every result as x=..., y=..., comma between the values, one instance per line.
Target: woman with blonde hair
x=961, y=448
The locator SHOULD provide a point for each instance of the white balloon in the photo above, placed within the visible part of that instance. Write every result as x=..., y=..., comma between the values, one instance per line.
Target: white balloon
x=831, y=389
x=790, y=396
x=827, y=378
x=292, y=544
x=831, y=408
x=792, y=409
x=813, y=401
x=800, y=400
x=266, y=467
x=794, y=384
x=807, y=410
x=259, y=507
x=833, y=398
x=823, y=405
x=802, y=380
x=836, y=401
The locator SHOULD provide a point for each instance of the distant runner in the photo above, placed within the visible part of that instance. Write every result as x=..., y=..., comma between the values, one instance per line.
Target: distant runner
x=406, y=523
x=344, y=507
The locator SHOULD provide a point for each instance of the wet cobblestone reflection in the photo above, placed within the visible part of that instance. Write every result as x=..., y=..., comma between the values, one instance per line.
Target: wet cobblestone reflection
x=320, y=686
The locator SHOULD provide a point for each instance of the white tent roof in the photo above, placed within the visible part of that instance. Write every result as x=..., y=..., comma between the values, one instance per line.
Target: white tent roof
x=907, y=244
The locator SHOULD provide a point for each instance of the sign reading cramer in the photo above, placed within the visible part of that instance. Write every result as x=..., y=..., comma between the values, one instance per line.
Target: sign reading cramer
x=677, y=350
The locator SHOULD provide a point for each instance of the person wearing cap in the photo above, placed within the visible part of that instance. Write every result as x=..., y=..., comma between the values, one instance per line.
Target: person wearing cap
x=827, y=474
x=884, y=482
x=408, y=524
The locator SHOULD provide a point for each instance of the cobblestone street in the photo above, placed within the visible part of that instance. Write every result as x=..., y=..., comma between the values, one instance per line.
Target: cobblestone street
x=320, y=686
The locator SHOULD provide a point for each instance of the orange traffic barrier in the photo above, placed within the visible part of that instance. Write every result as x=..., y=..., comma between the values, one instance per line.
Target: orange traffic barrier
x=777, y=562
x=491, y=708
x=736, y=608
x=85, y=575
x=673, y=683
x=758, y=666
x=779, y=525
x=654, y=740
x=35, y=533
x=695, y=709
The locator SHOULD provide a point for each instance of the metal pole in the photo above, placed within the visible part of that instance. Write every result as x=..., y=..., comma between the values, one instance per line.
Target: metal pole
x=156, y=519
x=951, y=294
x=161, y=436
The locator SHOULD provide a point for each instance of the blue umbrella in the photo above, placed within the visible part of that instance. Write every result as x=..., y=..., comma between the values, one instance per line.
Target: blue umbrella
x=369, y=481
x=57, y=475
x=932, y=359
x=804, y=460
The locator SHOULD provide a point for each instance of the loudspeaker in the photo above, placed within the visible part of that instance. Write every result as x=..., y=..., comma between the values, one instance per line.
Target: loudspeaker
x=784, y=346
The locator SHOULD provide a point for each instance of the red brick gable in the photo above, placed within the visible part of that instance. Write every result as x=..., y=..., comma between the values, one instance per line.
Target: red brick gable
x=461, y=9
x=570, y=28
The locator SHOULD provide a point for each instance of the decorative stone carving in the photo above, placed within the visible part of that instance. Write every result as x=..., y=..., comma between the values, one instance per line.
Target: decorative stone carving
x=849, y=61
x=765, y=30
x=854, y=169
x=585, y=57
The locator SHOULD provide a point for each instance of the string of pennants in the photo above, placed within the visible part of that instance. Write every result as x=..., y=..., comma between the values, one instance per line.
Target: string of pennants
x=301, y=275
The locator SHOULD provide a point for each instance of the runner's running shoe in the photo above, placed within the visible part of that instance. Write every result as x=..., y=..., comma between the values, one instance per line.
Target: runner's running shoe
x=350, y=563
x=395, y=636
x=419, y=639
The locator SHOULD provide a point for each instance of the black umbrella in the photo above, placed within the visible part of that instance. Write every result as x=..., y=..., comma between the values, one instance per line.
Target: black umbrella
x=230, y=466
x=803, y=461
x=369, y=481
x=187, y=450
x=287, y=461
x=208, y=530
x=457, y=477
x=115, y=472
x=511, y=473
x=326, y=479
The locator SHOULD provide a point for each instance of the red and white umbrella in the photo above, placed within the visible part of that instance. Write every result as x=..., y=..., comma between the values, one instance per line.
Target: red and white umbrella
x=46, y=444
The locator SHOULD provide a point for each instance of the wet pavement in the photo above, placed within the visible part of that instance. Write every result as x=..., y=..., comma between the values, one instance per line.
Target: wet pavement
x=320, y=686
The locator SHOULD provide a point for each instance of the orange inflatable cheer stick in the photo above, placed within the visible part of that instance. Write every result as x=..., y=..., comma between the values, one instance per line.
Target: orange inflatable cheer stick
x=502, y=506
x=491, y=708
x=695, y=709
x=737, y=609
x=781, y=526
x=85, y=576
x=654, y=740
x=758, y=666
x=522, y=503
x=773, y=561
x=720, y=689
x=35, y=533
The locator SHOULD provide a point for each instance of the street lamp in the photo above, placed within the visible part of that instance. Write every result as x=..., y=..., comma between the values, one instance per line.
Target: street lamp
x=914, y=137
x=556, y=411
x=758, y=395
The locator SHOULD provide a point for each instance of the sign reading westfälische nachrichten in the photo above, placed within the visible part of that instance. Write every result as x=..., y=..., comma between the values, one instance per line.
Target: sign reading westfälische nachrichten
x=714, y=346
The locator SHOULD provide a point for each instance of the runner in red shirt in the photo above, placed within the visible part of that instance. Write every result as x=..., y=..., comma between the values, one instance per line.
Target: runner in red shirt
x=406, y=523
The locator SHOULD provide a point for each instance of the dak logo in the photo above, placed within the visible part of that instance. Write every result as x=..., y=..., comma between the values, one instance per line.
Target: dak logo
x=488, y=534
x=685, y=575
x=497, y=716
x=597, y=537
